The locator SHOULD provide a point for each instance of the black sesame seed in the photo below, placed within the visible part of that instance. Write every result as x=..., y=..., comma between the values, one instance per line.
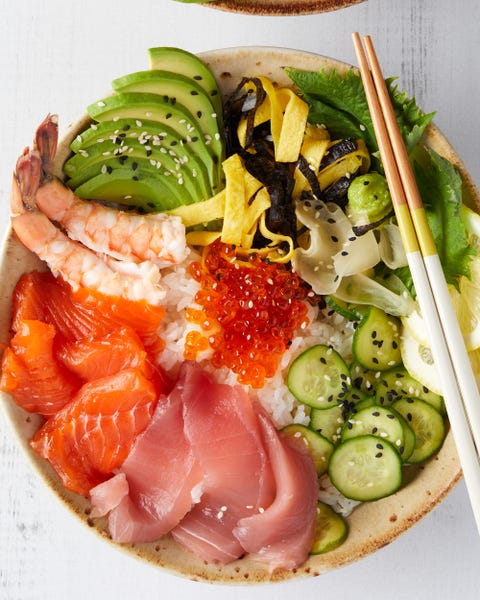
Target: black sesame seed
x=323, y=360
x=375, y=360
x=390, y=416
x=194, y=92
x=374, y=430
x=126, y=127
x=168, y=116
x=149, y=153
x=375, y=413
x=199, y=114
x=378, y=455
x=122, y=159
x=344, y=253
x=409, y=416
x=374, y=334
x=135, y=178
x=109, y=169
x=394, y=345
x=134, y=166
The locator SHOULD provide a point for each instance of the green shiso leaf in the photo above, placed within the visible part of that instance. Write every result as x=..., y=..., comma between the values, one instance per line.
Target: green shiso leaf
x=440, y=187
x=339, y=102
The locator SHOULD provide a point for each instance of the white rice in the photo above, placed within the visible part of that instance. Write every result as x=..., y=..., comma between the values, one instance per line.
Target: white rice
x=324, y=328
x=274, y=396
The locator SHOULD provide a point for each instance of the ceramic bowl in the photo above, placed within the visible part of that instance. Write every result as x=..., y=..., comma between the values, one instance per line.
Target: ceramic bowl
x=372, y=525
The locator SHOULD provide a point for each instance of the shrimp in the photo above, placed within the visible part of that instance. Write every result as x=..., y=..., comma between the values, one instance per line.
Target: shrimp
x=122, y=235
x=79, y=266
x=125, y=274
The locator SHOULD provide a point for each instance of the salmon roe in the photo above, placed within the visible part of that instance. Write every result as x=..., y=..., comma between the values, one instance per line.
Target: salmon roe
x=250, y=311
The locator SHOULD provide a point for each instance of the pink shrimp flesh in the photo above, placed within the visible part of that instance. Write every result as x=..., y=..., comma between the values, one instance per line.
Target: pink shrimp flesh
x=156, y=237
x=79, y=266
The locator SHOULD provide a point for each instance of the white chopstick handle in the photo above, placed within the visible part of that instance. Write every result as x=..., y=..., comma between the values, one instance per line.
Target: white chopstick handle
x=454, y=337
x=459, y=423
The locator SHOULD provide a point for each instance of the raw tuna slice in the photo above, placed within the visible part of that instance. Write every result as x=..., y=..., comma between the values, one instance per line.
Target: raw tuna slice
x=163, y=478
x=223, y=429
x=283, y=534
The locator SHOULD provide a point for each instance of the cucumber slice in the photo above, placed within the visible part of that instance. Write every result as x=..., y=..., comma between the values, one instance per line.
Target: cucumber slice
x=319, y=377
x=366, y=402
x=398, y=383
x=409, y=441
x=328, y=422
x=379, y=421
x=330, y=529
x=376, y=341
x=318, y=446
x=352, y=312
x=366, y=468
x=364, y=379
x=427, y=425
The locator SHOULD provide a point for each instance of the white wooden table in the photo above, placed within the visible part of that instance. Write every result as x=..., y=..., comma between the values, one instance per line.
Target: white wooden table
x=58, y=56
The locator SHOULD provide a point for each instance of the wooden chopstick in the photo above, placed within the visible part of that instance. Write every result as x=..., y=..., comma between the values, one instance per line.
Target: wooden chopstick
x=460, y=390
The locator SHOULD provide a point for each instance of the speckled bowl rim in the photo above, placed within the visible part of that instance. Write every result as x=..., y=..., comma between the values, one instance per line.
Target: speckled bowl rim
x=281, y=7
x=372, y=525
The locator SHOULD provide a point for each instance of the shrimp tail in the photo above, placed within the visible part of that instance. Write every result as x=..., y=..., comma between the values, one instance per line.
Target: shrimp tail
x=34, y=166
x=46, y=141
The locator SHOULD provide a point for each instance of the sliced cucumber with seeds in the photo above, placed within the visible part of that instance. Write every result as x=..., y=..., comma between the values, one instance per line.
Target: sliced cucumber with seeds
x=427, y=424
x=376, y=340
x=366, y=402
x=318, y=446
x=364, y=379
x=319, y=377
x=352, y=312
x=328, y=422
x=366, y=468
x=330, y=529
x=398, y=383
x=378, y=421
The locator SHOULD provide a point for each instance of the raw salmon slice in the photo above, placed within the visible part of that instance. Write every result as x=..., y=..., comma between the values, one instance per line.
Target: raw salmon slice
x=85, y=313
x=106, y=355
x=32, y=375
x=93, y=435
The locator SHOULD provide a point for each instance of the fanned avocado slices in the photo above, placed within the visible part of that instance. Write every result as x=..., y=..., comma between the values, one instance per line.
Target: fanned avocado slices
x=156, y=142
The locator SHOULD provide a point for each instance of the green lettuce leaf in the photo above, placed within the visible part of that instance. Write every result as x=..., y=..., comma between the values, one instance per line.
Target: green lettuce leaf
x=339, y=102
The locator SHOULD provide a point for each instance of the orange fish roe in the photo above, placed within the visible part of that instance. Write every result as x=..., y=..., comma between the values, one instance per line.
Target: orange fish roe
x=250, y=311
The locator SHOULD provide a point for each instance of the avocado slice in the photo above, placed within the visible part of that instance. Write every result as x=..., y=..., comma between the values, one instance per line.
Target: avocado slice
x=139, y=106
x=166, y=58
x=186, y=193
x=143, y=189
x=130, y=146
x=181, y=89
